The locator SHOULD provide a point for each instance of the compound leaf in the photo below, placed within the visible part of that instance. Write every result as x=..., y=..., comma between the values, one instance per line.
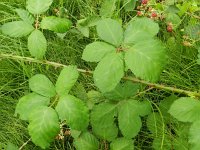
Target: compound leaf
x=66, y=80
x=37, y=44
x=42, y=85
x=95, y=51
x=17, y=28
x=185, y=109
x=28, y=103
x=56, y=24
x=74, y=111
x=38, y=6
x=44, y=126
x=109, y=72
x=110, y=31
x=86, y=141
x=148, y=55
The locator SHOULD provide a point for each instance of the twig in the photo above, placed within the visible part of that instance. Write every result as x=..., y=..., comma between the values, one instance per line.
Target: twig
x=136, y=80
x=195, y=16
x=25, y=144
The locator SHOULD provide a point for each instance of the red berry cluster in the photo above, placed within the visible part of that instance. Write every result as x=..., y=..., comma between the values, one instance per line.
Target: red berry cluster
x=145, y=10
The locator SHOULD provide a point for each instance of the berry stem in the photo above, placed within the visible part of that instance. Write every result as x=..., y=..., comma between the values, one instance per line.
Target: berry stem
x=87, y=72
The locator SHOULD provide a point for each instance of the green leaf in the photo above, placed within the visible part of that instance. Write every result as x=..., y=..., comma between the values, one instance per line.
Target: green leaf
x=28, y=103
x=162, y=143
x=174, y=19
x=38, y=6
x=198, y=60
x=11, y=146
x=66, y=80
x=145, y=108
x=96, y=51
x=194, y=137
x=193, y=31
x=123, y=91
x=42, y=85
x=139, y=30
x=122, y=144
x=89, y=21
x=37, y=44
x=165, y=106
x=128, y=118
x=25, y=16
x=84, y=30
x=17, y=28
x=109, y=72
x=93, y=98
x=56, y=24
x=86, y=141
x=102, y=121
x=44, y=126
x=75, y=133
x=148, y=55
x=155, y=124
x=129, y=5
x=74, y=111
x=107, y=8
x=110, y=31
x=185, y=109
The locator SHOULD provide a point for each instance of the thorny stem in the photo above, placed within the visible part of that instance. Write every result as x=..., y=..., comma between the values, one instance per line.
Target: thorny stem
x=136, y=80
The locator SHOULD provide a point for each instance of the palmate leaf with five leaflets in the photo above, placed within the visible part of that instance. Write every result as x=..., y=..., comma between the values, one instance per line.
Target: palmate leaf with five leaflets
x=102, y=121
x=44, y=126
x=56, y=24
x=122, y=144
x=37, y=44
x=66, y=80
x=110, y=31
x=86, y=141
x=42, y=85
x=95, y=51
x=146, y=59
x=74, y=111
x=17, y=28
x=109, y=72
x=28, y=103
x=185, y=109
x=38, y=6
